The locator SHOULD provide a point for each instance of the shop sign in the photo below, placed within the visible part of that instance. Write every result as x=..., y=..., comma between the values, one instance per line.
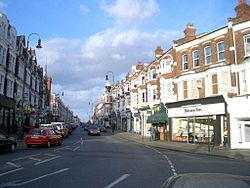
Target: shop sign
x=197, y=110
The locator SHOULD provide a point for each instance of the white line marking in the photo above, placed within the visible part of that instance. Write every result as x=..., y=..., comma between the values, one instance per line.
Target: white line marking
x=123, y=177
x=35, y=159
x=13, y=164
x=77, y=142
x=166, y=157
x=65, y=147
x=76, y=148
x=16, y=159
x=47, y=160
x=49, y=154
x=40, y=177
x=11, y=171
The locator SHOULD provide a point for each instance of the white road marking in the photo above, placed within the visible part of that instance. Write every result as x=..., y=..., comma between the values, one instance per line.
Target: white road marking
x=65, y=147
x=123, y=177
x=38, y=178
x=34, y=159
x=77, y=142
x=11, y=171
x=20, y=158
x=47, y=160
x=166, y=157
x=76, y=148
x=13, y=164
x=49, y=154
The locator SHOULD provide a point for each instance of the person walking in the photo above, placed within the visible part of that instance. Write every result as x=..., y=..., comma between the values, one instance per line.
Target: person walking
x=152, y=133
x=225, y=136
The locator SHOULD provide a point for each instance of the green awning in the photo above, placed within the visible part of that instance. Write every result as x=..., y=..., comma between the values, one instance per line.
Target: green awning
x=157, y=118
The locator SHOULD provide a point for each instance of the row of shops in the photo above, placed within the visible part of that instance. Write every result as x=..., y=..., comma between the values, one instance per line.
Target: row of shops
x=210, y=120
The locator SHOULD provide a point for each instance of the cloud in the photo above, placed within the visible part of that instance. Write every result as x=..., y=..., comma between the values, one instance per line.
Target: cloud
x=131, y=11
x=84, y=9
x=2, y=5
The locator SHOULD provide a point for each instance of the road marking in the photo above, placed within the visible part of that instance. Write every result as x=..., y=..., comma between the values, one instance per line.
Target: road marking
x=77, y=142
x=38, y=178
x=166, y=157
x=13, y=164
x=65, y=147
x=11, y=171
x=35, y=159
x=123, y=177
x=20, y=158
x=47, y=160
x=76, y=148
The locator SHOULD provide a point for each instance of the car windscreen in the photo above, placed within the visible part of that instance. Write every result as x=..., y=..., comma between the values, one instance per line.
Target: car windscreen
x=38, y=132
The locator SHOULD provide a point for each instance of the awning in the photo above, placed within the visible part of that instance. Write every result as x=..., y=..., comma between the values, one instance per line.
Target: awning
x=159, y=116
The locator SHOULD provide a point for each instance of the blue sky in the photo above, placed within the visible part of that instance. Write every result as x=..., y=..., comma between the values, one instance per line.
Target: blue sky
x=83, y=39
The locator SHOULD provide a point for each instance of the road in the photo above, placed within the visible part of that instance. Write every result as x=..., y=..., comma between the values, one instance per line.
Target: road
x=105, y=161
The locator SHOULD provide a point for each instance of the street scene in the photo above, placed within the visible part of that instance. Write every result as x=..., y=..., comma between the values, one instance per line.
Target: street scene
x=125, y=93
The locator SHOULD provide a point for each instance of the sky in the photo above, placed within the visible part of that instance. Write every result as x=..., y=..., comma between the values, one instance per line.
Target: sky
x=85, y=39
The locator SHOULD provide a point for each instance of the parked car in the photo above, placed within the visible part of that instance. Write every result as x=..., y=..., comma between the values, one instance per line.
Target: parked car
x=102, y=128
x=94, y=130
x=54, y=128
x=86, y=127
x=6, y=142
x=61, y=126
x=42, y=136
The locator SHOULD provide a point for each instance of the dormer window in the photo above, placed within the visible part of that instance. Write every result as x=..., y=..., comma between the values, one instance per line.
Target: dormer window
x=153, y=73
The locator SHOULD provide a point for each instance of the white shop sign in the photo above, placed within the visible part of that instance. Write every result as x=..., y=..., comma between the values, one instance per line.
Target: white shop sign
x=197, y=110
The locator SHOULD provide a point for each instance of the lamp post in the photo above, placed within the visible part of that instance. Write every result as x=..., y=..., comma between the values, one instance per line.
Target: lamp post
x=113, y=77
x=38, y=42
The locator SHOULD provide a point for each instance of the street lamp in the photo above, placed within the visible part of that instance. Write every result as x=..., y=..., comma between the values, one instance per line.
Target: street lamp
x=107, y=77
x=38, y=42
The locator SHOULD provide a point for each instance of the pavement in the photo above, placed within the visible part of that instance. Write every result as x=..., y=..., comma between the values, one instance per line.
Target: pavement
x=205, y=149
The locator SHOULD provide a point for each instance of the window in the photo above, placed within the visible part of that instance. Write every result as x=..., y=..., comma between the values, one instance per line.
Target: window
x=11, y=66
x=2, y=53
x=224, y=80
x=153, y=73
x=208, y=54
x=221, y=51
x=214, y=84
x=143, y=97
x=1, y=83
x=154, y=94
x=244, y=80
x=185, y=90
x=21, y=71
x=194, y=89
x=143, y=80
x=247, y=45
x=196, y=60
x=185, y=61
x=27, y=78
x=10, y=85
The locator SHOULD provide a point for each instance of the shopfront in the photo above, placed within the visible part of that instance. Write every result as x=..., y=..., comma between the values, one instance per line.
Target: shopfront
x=7, y=115
x=159, y=120
x=198, y=121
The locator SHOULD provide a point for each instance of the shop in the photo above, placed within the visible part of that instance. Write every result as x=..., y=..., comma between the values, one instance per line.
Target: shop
x=239, y=115
x=7, y=115
x=159, y=120
x=198, y=120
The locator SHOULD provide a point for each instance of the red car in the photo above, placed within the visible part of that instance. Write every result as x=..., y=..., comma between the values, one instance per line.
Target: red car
x=42, y=136
x=94, y=130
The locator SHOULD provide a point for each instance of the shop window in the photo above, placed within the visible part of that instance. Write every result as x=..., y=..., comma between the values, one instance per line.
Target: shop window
x=214, y=84
x=185, y=90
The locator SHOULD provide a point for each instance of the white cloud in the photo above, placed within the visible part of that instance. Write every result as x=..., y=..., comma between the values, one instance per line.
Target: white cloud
x=84, y=9
x=131, y=10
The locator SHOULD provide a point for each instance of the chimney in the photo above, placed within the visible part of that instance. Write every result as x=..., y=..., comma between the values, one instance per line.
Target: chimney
x=189, y=32
x=158, y=52
x=139, y=66
x=242, y=10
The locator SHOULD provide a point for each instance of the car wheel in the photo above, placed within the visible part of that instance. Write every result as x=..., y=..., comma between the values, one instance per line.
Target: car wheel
x=28, y=145
x=48, y=144
x=59, y=142
x=12, y=147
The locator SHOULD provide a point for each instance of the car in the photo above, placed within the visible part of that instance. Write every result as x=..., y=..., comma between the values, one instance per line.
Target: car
x=42, y=136
x=86, y=127
x=102, y=128
x=7, y=143
x=94, y=130
x=54, y=128
x=61, y=126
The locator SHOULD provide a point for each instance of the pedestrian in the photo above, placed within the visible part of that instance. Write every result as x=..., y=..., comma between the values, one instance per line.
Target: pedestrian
x=113, y=128
x=152, y=133
x=225, y=136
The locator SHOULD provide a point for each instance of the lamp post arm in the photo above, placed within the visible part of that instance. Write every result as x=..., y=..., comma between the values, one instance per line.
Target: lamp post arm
x=30, y=36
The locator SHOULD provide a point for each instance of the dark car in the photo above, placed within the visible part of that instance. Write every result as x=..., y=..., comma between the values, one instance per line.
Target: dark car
x=86, y=127
x=94, y=130
x=102, y=128
x=6, y=142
